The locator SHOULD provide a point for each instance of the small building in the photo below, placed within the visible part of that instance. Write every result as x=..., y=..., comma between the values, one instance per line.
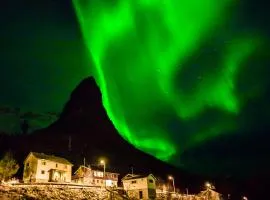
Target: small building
x=94, y=175
x=210, y=194
x=162, y=187
x=39, y=167
x=140, y=186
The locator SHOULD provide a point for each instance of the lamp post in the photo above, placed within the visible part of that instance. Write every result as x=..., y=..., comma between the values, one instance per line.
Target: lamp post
x=208, y=186
x=104, y=170
x=171, y=178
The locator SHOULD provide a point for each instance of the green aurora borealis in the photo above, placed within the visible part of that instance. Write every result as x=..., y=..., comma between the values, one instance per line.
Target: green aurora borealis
x=186, y=81
x=140, y=48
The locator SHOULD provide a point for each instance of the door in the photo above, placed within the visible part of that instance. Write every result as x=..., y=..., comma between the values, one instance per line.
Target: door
x=140, y=195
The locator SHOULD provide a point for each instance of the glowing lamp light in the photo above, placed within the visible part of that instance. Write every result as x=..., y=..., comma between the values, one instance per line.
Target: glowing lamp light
x=207, y=185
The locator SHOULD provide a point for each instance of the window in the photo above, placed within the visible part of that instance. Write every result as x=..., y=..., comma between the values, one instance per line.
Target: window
x=56, y=165
x=43, y=163
x=98, y=174
x=97, y=181
x=65, y=166
x=42, y=172
x=151, y=181
x=133, y=182
x=28, y=164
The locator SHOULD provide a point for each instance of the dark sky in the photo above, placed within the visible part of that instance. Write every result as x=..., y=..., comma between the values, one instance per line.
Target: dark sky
x=43, y=54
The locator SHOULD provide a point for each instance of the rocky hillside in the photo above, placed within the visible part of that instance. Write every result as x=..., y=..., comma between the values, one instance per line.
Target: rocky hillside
x=51, y=193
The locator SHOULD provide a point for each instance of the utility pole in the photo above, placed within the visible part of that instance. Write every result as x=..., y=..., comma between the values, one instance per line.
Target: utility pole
x=172, y=178
x=69, y=143
x=104, y=170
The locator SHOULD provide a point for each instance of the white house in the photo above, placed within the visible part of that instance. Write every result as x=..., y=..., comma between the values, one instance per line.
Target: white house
x=93, y=175
x=140, y=186
x=39, y=167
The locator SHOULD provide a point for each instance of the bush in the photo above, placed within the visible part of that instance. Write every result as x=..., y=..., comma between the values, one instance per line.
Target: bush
x=8, y=166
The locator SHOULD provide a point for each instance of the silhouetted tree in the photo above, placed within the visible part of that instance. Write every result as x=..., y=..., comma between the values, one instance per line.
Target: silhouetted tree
x=8, y=166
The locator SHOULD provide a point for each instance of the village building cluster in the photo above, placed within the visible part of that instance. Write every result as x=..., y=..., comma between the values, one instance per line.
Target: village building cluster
x=42, y=168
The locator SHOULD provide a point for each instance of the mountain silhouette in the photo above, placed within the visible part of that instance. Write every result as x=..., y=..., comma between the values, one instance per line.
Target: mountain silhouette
x=85, y=132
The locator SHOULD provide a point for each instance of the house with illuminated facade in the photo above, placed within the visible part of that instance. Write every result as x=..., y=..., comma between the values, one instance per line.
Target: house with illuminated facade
x=94, y=175
x=140, y=186
x=39, y=167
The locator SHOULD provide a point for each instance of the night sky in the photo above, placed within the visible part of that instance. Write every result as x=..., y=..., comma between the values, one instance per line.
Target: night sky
x=186, y=83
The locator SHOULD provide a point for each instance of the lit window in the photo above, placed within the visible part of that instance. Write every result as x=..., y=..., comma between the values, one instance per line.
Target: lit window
x=42, y=172
x=97, y=173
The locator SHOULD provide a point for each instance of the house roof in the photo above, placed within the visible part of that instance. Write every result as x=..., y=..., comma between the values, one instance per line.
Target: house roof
x=136, y=176
x=95, y=168
x=83, y=168
x=101, y=168
x=50, y=158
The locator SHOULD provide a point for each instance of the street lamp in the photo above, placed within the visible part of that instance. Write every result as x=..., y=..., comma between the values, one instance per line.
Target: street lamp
x=187, y=191
x=171, y=178
x=208, y=185
x=104, y=170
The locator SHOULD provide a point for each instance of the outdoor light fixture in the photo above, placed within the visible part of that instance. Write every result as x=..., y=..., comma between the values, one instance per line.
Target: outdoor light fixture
x=104, y=169
x=171, y=178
